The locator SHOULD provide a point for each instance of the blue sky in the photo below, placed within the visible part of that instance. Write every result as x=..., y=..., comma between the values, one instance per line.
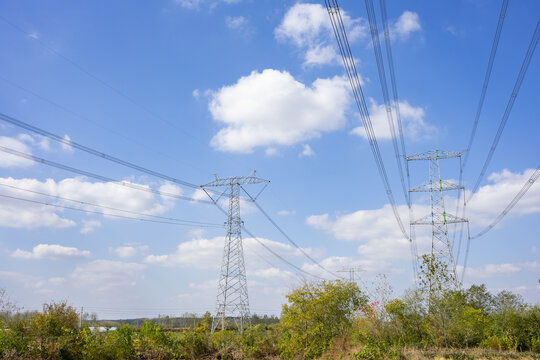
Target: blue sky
x=191, y=88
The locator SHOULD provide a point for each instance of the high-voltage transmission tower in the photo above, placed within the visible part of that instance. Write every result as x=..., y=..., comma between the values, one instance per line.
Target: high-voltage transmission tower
x=441, y=249
x=232, y=296
x=352, y=272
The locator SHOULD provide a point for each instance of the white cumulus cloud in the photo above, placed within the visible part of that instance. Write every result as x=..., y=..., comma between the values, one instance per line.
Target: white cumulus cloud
x=406, y=24
x=235, y=23
x=308, y=27
x=378, y=233
x=412, y=119
x=207, y=253
x=196, y=4
x=376, y=230
x=66, y=146
x=129, y=251
x=23, y=214
x=89, y=226
x=502, y=187
x=8, y=160
x=307, y=151
x=271, y=108
x=50, y=251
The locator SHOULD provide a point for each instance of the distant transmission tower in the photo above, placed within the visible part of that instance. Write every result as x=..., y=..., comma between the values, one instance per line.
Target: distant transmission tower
x=351, y=271
x=441, y=249
x=232, y=295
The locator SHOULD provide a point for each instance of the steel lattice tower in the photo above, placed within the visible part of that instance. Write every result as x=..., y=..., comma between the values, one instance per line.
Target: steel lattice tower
x=352, y=272
x=441, y=248
x=232, y=296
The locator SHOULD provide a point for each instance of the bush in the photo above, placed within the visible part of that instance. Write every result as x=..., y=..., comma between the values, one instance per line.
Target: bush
x=193, y=343
x=316, y=313
x=374, y=349
x=498, y=342
x=259, y=342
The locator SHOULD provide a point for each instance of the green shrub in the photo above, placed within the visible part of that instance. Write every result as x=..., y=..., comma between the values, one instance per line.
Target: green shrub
x=316, y=313
x=498, y=342
x=259, y=342
x=193, y=343
x=122, y=341
x=374, y=349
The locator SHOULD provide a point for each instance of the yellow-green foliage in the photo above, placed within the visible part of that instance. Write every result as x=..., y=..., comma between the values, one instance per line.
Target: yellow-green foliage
x=315, y=314
x=331, y=316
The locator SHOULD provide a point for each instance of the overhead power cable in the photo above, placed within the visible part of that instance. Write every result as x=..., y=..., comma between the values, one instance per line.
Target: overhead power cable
x=96, y=78
x=68, y=142
x=99, y=212
x=142, y=188
x=390, y=60
x=466, y=253
x=289, y=238
x=194, y=223
x=87, y=119
x=487, y=77
x=513, y=96
x=384, y=87
x=512, y=203
x=268, y=248
x=98, y=177
x=356, y=87
x=279, y=256
x=504, y=119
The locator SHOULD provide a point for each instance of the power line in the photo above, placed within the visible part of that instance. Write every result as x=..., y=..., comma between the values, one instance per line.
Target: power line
x=390, y=60
x=384, y=87
x=466, y=252
x=494, y=47
x=388, y=44
x=513, y=96
x=268, y=248
x=356, y=87
x=195, y=223
x=142, y=188
x=279, y=256
x=99, y=80
x=68, y=142
x=84, y=118
x=99, y=212
x=291, y=240
x=504, y=119
x=508, y=208
x=98, y=177
x=512, y=203
x=487, y=77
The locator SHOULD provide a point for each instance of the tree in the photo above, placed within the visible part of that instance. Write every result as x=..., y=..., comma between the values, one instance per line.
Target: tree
x=315, y=314
x=54, y=329
x=479, y=298
x=7, y=308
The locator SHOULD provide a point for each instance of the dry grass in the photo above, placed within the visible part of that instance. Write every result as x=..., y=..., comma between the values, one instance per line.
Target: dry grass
x=343, y=350
x=466, y=354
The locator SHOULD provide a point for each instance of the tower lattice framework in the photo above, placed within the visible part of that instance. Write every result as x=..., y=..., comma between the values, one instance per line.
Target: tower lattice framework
x=439, y=219
x=232, y=301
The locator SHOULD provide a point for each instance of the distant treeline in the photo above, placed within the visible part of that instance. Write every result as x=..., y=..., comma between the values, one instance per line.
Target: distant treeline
x=173, y=322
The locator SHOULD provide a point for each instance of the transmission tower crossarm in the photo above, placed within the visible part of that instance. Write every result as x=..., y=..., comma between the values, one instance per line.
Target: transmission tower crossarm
x=441, y=185
x=434, y=155
x=446, y=219
x=235, y=180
